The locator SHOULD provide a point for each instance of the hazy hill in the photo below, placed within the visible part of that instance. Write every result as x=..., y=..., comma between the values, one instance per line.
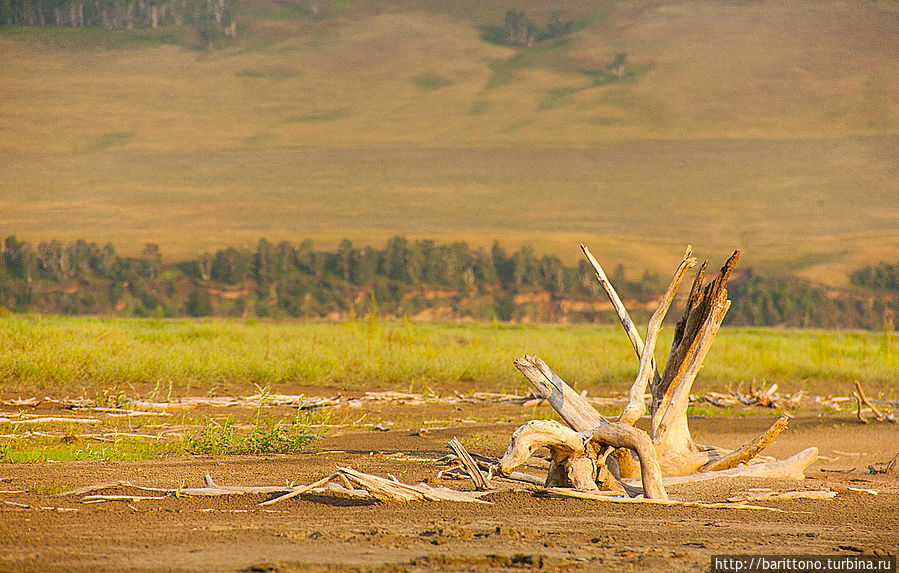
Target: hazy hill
x=771, y=126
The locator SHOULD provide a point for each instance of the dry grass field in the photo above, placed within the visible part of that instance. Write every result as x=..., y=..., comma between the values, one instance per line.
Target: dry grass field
x=768, y=126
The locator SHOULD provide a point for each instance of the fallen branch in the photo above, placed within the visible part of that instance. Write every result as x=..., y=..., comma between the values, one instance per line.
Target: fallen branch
x=387, y=490
x=599, y=496
x=748, y=450
x=123, y=497
x=878, y=415
x=300, y=490
x=789, y=468
x=481, y=482
x=795, y=494
x=51, y=420
x=887, y=467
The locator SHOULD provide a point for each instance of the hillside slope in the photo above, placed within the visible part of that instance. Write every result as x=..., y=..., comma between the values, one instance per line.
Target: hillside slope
x=771, y=126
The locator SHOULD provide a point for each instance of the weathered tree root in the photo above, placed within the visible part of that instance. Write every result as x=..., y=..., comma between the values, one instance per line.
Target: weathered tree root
x=592, y=451
x=575, y=455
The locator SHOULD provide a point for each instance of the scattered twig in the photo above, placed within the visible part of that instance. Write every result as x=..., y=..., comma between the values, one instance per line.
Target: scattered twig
x=887, y=467
x=131, y=498
x=794, y=494
x=300, y=490
x=601, y=496
x=481, y=482
x=878, y=415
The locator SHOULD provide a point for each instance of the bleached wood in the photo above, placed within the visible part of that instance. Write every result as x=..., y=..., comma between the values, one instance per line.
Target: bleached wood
x=789, y=468
x=620, y=310
x=387, y=490
x=796, y=494
x=571, y=406
x=748, y=450
x=606, y=496
x=51, y=420
x=299, y=490
x=880, y=416
x=123, y=497
x=618, y=435
x=636, y=405
x=481, y=482
x=574, y=454
x=670, y=450
x=537, y=434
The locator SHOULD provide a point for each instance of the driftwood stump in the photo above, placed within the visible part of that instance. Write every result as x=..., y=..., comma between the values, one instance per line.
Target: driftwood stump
x=594, y=453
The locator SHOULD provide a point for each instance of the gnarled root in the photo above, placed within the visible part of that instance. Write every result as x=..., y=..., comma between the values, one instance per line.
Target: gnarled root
x=575, y=455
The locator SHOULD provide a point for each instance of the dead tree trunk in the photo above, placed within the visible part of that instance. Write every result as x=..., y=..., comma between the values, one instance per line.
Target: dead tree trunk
x=594, y=449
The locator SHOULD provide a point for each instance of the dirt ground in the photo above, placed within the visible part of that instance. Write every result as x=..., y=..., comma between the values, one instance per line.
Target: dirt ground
x=40, y=531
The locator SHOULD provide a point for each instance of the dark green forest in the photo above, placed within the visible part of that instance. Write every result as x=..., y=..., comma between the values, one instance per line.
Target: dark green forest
x=419, y=279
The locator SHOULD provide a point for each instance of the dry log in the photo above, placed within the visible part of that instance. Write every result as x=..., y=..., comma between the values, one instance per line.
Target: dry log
x=748, y=450
x=789, y=468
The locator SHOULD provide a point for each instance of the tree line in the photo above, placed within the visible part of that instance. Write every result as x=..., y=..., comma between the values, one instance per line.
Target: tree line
x=405, y=277
x=213, y=19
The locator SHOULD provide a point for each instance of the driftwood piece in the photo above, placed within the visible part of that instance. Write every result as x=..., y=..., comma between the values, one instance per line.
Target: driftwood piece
x=636, y=406
x=481, y=482
x=132, y=498
x=777, y=495
x=748, y=450
x=582, y=453
x=620, y=309
x=886, y=467
x=571, y=406
x=210, y=491
x=572, y=465
x=606, y=496
x=878, y=415
x=300, y=490
x=372, y=487
x=790, y=468
x=386, y=490
x=575, y=454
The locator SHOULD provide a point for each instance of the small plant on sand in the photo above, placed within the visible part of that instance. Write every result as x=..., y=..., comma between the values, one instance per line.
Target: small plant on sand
x=267, y=436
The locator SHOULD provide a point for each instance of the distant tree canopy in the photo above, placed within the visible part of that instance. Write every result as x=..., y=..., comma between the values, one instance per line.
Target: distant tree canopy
x=520, y=31
x=882, y=276
x=213, y=19
x=405, y=277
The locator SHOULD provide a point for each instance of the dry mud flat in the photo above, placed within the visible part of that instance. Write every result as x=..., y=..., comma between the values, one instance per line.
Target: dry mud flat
x=40, y=531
